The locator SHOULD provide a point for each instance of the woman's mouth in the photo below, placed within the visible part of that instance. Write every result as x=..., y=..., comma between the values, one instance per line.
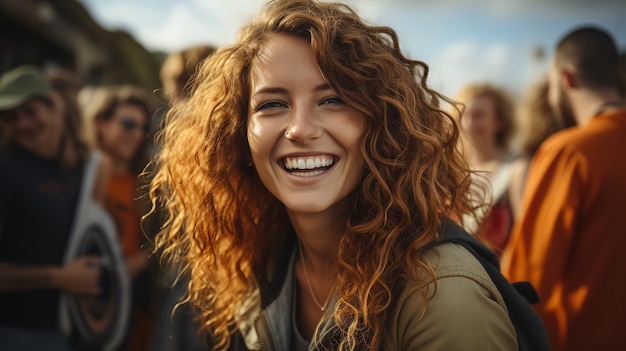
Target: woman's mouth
x=308, y=166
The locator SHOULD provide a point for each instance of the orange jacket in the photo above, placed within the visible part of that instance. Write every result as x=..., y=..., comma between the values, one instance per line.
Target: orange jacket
x=121, y=204
x=570, y=241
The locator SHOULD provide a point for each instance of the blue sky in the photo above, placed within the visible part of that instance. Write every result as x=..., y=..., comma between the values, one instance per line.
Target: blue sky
x=463, y=41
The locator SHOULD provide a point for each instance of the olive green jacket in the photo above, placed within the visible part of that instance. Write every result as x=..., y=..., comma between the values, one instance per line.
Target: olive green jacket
x=464, y=311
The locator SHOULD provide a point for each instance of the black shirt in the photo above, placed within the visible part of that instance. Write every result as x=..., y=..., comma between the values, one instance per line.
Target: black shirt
x=37, y=205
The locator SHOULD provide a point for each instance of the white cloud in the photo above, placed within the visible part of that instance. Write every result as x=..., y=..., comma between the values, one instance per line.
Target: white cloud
x=235, y=12
x=463, y=62
x=171, y=25
x=182, y=27
x=557, y=7
x=124, y=15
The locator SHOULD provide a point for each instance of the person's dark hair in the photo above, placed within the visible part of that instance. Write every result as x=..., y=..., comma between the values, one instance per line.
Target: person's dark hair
x=593, y=54
x=74, y=147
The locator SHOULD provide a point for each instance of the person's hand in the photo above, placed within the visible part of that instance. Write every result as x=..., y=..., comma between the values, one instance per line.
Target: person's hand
x=80, y=277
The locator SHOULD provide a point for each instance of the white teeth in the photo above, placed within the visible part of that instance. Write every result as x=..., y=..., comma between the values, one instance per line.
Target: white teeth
x=308, y=162
x=308, y=173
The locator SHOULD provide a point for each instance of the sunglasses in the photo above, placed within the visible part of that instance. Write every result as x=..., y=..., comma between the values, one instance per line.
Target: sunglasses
x=129, y=125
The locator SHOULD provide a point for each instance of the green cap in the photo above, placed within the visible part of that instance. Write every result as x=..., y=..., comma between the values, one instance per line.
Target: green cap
x=20, y=85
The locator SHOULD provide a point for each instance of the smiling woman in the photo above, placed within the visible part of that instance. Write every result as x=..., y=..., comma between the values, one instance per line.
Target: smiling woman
x=305, y=185
x=303, y=138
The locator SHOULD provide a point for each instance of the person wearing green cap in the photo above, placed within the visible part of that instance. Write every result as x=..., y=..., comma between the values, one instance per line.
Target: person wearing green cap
x=41, y=164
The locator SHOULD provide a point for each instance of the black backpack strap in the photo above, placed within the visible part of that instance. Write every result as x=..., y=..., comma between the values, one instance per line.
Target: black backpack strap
x=531, y=333
x=527, y=290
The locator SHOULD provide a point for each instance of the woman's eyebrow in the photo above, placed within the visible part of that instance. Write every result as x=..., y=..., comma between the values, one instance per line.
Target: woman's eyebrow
x=270, y=90
x=322, y=87
x=279, y=90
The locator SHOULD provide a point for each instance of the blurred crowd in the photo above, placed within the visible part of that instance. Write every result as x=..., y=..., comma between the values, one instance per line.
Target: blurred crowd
x=52, y=127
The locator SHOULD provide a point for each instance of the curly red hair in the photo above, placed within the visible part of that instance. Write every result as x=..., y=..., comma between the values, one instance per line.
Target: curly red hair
x=223, y=225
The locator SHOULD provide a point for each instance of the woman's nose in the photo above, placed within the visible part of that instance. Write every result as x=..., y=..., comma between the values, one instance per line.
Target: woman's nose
x=303, y=126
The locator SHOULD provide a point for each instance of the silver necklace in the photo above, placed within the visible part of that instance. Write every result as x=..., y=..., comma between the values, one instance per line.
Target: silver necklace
x=308, y=282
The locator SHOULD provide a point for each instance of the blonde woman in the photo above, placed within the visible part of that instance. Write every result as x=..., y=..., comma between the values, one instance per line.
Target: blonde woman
x=488, y=124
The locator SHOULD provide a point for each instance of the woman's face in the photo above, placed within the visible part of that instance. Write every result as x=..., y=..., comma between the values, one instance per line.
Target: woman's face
x=121, y=136
x=304, y=140
x=36, y=126
x=479, y=121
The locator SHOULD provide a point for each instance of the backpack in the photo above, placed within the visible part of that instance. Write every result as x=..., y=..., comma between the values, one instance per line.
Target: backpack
x=531, y=333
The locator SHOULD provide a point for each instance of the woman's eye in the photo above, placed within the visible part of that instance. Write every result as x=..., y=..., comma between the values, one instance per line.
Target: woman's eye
x=333, y=100
x=269, y=104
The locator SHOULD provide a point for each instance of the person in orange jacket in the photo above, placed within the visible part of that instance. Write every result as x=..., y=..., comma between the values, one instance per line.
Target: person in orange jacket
x=569, y=242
